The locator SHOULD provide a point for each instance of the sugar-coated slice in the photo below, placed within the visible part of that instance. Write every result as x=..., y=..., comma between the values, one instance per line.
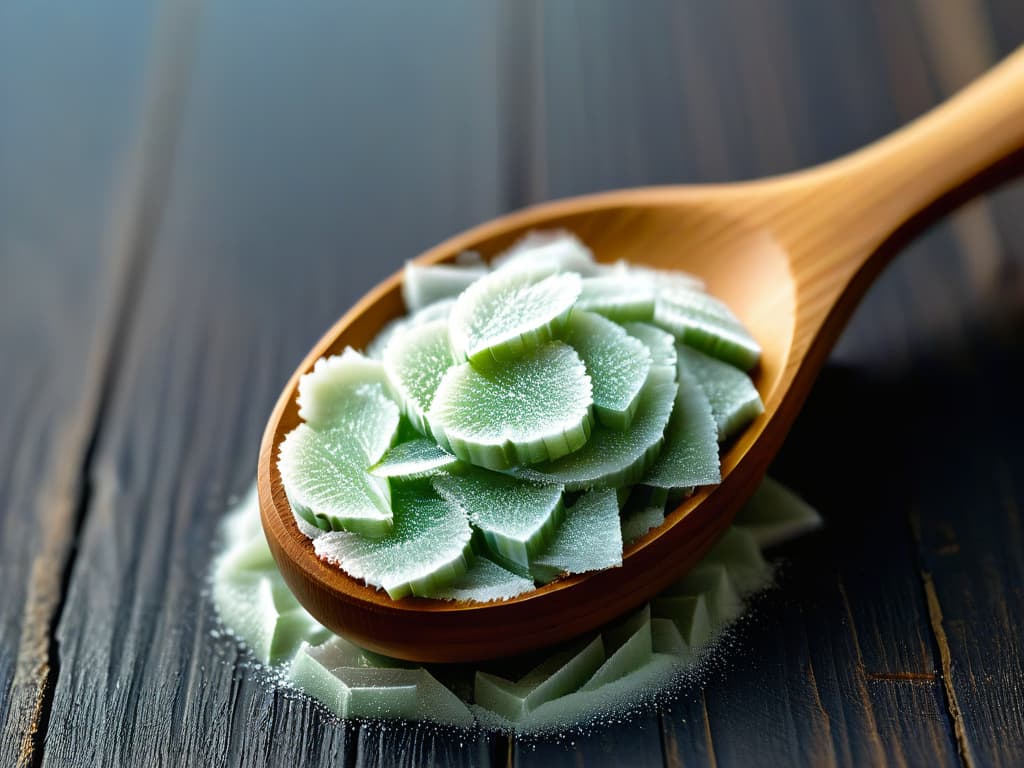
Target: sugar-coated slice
x=325, y=395
x=414, y=459
x=423, y=284
x=427, y=549
x=612, y=458
x=618, y=297
x=662, y=279
x=690, y=455
x=630, y=655
x=661, y=344
x=517, y=518
x=484, y=582
x=690, y=614
x=775, y=515
x=558, y=250
x=535, y=408
x=734, y=400
x=510, y=312
x=706, y=323
x=637, y=522
x=589, y=539
x=326, y=481
x=617, y=363
x=415, y=360
x=712, y=580
x=737, y=550
x=666, y=639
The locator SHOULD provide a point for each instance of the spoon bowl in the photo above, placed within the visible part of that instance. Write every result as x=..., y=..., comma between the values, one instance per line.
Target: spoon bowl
x=791, y=256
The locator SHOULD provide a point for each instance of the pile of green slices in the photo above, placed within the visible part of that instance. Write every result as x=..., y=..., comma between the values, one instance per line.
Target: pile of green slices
x=522, y=422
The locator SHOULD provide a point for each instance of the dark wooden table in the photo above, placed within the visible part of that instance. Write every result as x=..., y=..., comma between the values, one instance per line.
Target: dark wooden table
x=191, y=192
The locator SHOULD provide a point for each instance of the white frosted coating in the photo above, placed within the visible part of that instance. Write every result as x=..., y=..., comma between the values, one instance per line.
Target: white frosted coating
x=325, y=392
x=775, y=514
x=423, y=285
x=661, y=344
x=704, y=322
x=638, y=522
x=690, y=455
x=415, y=360
x=618, y=297
x=589, y=539
x=484, y=582
x=427, y=548
x=534, y=408
x=516, y=517
x=617, y=363
x=612, y=457
x=414, y=459
x=560, y=251
x=325, y=477
x=731, y=394
x=510, y=312
x=663, y=280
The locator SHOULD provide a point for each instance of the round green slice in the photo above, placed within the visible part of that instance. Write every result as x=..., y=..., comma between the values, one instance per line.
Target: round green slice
x=427, y=549
x=704, y=322
x=325, y=478
x=618, y=365
x=618, y=297
x=517, y=518
x=511, y=311
x=612, y=458
x=415, y=360
x=559, y=250
x=535, y=408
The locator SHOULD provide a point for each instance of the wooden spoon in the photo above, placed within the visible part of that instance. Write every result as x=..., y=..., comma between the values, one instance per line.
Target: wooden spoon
x=791, y=256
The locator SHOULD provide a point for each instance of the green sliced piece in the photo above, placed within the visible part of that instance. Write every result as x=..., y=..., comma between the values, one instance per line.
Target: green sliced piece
x=423, y=285
x=558, y=250
x=510, y=312
x=589, y=539
x=632, y=654
x=308, y=675
x=713, y=581
x=414, y=459
x=439, y=310
x=704, y=322
x=516, y=518
x=666, y=639
x=737, y=550
x=618, y=297
x=775, y=515
x=637, y=522
x=690, y=455
x=375, y=349
x=612, y=458
x=535, y=408
x=416, y=359
x=734, y=400
x=337, y=652
x=553, y=678
x=690, y=614
x=325, y=478
x=427, y=549
x=326, y=399
x=617, y=363
x=662, y=279
x=661, y=344
x=618, y=632
x=484, y=582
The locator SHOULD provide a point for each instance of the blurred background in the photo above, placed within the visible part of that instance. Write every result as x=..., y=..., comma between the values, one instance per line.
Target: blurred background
x=192, y=191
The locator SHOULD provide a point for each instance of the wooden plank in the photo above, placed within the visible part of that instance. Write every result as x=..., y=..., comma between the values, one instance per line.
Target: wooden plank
x=69, y=95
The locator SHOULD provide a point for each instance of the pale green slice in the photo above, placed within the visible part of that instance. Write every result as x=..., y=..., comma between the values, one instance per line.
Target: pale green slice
x=439, y=310
x=325, y=399
x=375, y=349
x=690, y=455
x=325, y=478
x=557, y=676
x=712, y=580
x=632, y=654
x=775, y=515
x=414, y=459
x=556, y=250
x=666, y=639
x=427, y=549
x=416, y=359
x=706, y=323
x=662, y=279
x=737, y=550
x=618, y=297
x=612, y=458
x=589, y=539
x=617, y=363
x=510, y=312
x=619, y=631
x=690, y=614
x=516, y=518
x=661, y=344
x=535, y=408
x=484, y=582
x=734, y=400
x=423, y=285
x=637, y=522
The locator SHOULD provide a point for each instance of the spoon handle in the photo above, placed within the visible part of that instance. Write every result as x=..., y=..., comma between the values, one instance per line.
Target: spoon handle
x=882, y=195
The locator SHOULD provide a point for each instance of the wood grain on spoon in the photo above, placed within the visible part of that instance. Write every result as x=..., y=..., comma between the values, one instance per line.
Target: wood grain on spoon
x=791, y=256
